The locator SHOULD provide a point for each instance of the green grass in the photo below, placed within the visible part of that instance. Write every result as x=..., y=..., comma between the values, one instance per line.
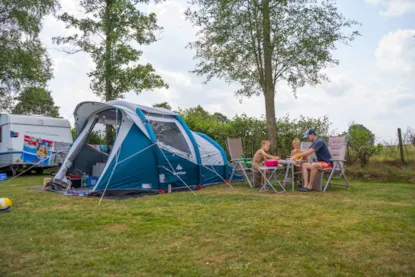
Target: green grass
x=368, y=230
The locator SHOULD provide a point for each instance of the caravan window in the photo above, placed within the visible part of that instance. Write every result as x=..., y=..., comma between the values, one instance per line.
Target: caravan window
x=169, y=133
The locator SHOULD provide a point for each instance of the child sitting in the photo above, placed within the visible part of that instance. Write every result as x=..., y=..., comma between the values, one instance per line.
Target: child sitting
x=258, y=161
x=297, y=166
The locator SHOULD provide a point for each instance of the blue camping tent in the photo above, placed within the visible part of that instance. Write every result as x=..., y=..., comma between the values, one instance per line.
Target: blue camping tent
x=154, y=148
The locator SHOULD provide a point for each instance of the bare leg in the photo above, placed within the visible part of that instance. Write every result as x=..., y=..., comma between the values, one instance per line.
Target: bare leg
x=314, y=169
x=305, y=168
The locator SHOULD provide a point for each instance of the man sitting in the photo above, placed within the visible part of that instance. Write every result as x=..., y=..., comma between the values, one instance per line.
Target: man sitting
x=323, y=159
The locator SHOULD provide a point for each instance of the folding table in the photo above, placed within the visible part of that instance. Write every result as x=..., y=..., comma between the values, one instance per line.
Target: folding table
x=273, y=175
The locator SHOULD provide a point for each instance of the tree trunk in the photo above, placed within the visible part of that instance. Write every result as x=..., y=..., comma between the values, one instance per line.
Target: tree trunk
x=109, y=94
x=268, y=87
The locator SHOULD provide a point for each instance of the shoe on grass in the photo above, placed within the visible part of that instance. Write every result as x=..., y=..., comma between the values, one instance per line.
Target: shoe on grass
x=305, y=190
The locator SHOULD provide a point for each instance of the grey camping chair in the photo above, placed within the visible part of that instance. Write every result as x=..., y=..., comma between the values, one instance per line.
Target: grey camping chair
x=240, y=163
x=305, y=145
x=337, y=148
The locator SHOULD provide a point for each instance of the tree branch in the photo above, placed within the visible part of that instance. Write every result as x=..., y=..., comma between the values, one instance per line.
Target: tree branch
x=258, y=58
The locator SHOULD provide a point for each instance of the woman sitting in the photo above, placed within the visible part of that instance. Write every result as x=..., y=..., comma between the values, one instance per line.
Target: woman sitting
x=258, y=161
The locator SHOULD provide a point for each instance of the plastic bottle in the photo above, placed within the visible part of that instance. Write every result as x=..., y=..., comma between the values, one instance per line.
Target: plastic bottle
x=85, y=180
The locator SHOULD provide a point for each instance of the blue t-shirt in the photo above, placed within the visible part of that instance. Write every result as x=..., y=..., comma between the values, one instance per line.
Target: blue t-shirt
x=322, y=152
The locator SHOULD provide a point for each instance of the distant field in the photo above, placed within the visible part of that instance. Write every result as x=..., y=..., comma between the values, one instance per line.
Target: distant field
x=368, y=230
x=392, y=153
x=386, y=166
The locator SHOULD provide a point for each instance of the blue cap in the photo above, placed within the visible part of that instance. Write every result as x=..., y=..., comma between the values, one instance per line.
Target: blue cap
x=309, y=132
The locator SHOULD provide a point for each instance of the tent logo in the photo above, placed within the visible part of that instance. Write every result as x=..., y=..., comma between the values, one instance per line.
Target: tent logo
x=179, y=172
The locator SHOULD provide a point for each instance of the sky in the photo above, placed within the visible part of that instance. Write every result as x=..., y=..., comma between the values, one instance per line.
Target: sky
x=373, y=85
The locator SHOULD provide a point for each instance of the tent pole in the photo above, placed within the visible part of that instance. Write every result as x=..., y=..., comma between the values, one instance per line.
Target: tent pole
x=214, y=171
x=173, y=171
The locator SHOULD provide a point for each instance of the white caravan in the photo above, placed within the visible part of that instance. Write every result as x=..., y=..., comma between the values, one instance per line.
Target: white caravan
x=26, y=140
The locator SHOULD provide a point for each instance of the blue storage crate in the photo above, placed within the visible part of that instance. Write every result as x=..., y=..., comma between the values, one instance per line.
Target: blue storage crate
x=3, y=176
x=92, y=181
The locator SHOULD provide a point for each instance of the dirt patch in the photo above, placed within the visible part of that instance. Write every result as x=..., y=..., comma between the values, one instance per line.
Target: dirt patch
x=8, y=251
x=217, y=259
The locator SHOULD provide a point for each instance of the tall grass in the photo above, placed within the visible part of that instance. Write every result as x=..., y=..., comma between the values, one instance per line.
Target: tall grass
x=392, y=153
x=385, y=166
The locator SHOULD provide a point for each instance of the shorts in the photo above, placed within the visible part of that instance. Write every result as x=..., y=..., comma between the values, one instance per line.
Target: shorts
x=325, y=165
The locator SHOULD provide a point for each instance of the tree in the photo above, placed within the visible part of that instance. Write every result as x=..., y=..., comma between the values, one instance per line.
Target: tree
x=409, y=136
x=362, y=141
x=36, y=101
x=163, y=105
x=23, y=60
x=106, y=33
x=259, y=43
x=94, y=137
x=220, y=117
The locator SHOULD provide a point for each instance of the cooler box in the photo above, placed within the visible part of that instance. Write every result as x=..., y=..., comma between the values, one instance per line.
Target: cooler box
x=76, y=180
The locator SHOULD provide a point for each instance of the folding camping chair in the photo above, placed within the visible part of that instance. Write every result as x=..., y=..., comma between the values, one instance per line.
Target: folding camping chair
x=305, y=145
x=337, y=148
x=239, y=161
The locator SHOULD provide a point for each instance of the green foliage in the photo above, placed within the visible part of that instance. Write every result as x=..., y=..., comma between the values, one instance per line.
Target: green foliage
x=252, y=130
x=163, y=105
x=259, y=43
x=36, y=101
x=199, y=120
x=230, y=41
x=106, y=33
x=23, y=60
x=291, y=128
x=220, y=117
x=362, y=141
x=73, y=132
x=94, y=137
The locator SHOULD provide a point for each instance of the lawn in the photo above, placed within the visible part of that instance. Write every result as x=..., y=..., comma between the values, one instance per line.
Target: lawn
x=368, y=230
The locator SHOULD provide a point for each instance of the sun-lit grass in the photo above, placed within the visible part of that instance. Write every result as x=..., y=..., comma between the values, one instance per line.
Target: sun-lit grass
x=368, y=230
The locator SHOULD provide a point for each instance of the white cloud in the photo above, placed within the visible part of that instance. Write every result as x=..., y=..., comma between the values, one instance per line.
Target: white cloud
x=339, y=85
x=393, y=7
x=396, y=52
x=402, y=97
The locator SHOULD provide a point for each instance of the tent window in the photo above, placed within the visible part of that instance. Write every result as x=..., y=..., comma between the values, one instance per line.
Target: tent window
x=169, y=133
